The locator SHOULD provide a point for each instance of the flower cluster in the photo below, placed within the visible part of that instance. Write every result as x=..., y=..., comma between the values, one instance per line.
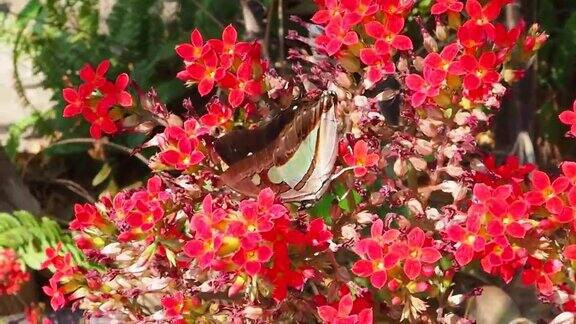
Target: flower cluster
x=406, y=208
x=231, y=65
x=12, y=273
x=95, y=98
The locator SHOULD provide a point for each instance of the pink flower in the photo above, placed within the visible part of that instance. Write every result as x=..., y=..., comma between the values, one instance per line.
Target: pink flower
x=337, y=34
x=56, y=294
x=378, y=60
x=545, y=191
x=360, y=159
x=251, y=260
x=568, y=117
x=478, y=72
x=442, y=6
x=424, y=87
x=415, y=253
x=539, y=273
x=244, y=85
x=218, y=115
x=389, y=33
x=329, y=314
x=468, y=241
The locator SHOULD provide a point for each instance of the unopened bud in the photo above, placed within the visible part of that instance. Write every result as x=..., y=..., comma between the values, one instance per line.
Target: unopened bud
x=441, y=32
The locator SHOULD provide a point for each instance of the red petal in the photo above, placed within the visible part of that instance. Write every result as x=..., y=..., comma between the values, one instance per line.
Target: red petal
x=416, y=237
x=327, y=313
x=205, y=86
x=185, y=51
x=415, y=82
x=430, y=255
x=345, y=305
x=472, y=82
x=455, y=233
x=362, y=268
x=412, y=268
x=540, y=180
x=378, y=279
x=474, y=8
x=570, y=252
x=402, y=43
x=375, y=29
x=464, y=255
x=229, y=35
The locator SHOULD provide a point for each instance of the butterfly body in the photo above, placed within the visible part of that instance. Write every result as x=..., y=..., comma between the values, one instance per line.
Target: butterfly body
x=293, y=154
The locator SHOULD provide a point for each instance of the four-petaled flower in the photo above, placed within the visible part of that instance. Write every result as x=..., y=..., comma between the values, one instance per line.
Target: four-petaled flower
x=331, y=315
x=568, y=117
x=360, y=159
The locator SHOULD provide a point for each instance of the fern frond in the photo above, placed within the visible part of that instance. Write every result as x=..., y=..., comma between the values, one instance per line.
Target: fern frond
x=29, y=236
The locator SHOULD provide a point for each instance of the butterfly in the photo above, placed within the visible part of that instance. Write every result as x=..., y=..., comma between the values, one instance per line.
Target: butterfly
x=294, y=153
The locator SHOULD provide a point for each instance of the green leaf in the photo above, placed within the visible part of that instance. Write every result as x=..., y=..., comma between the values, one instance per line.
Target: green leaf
x=29, y=12
x=102, y=175
x=322, y=208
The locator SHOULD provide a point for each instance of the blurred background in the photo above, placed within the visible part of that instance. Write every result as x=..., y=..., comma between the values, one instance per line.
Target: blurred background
x=44, y=42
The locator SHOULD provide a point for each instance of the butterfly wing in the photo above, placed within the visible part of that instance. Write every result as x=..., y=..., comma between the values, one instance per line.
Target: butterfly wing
x=290, y=158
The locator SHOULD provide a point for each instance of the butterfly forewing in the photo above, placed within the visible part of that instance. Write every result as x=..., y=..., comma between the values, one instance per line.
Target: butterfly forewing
x=297, y=159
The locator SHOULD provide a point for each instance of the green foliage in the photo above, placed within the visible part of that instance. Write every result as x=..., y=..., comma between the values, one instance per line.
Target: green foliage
x=30, y=236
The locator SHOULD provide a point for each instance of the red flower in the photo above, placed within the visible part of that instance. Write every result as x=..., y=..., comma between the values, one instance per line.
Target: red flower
x=86, y=216
x=360, y=159
x=568, y=117
x=471, y=37
x=329, y=314
x=95, y=79
x=508, y=218
x=244, y=84
x=251, y=259
x=478, y=72
x=205, y=72
x=545, y=191
x=180, y=150
x=56, y=294
x=337, y=33
x=442, y=6
x=194, y=50
x=483, y=16
x=378, y=60
x=357, y=10
x=569, y=171
x=424, y=87
x=444, y=61
x=467, y=239
x=100, y=120
x=173, y=305
x=318, y=234
x=330, y=10
x=116, y=92
x=415, y=253
x=77, y=100
x=388, y=32
x=12, y=272
x=281, y=274
x=539, y=272
x=228, y=49
x=218, y=115
x=145, y=215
